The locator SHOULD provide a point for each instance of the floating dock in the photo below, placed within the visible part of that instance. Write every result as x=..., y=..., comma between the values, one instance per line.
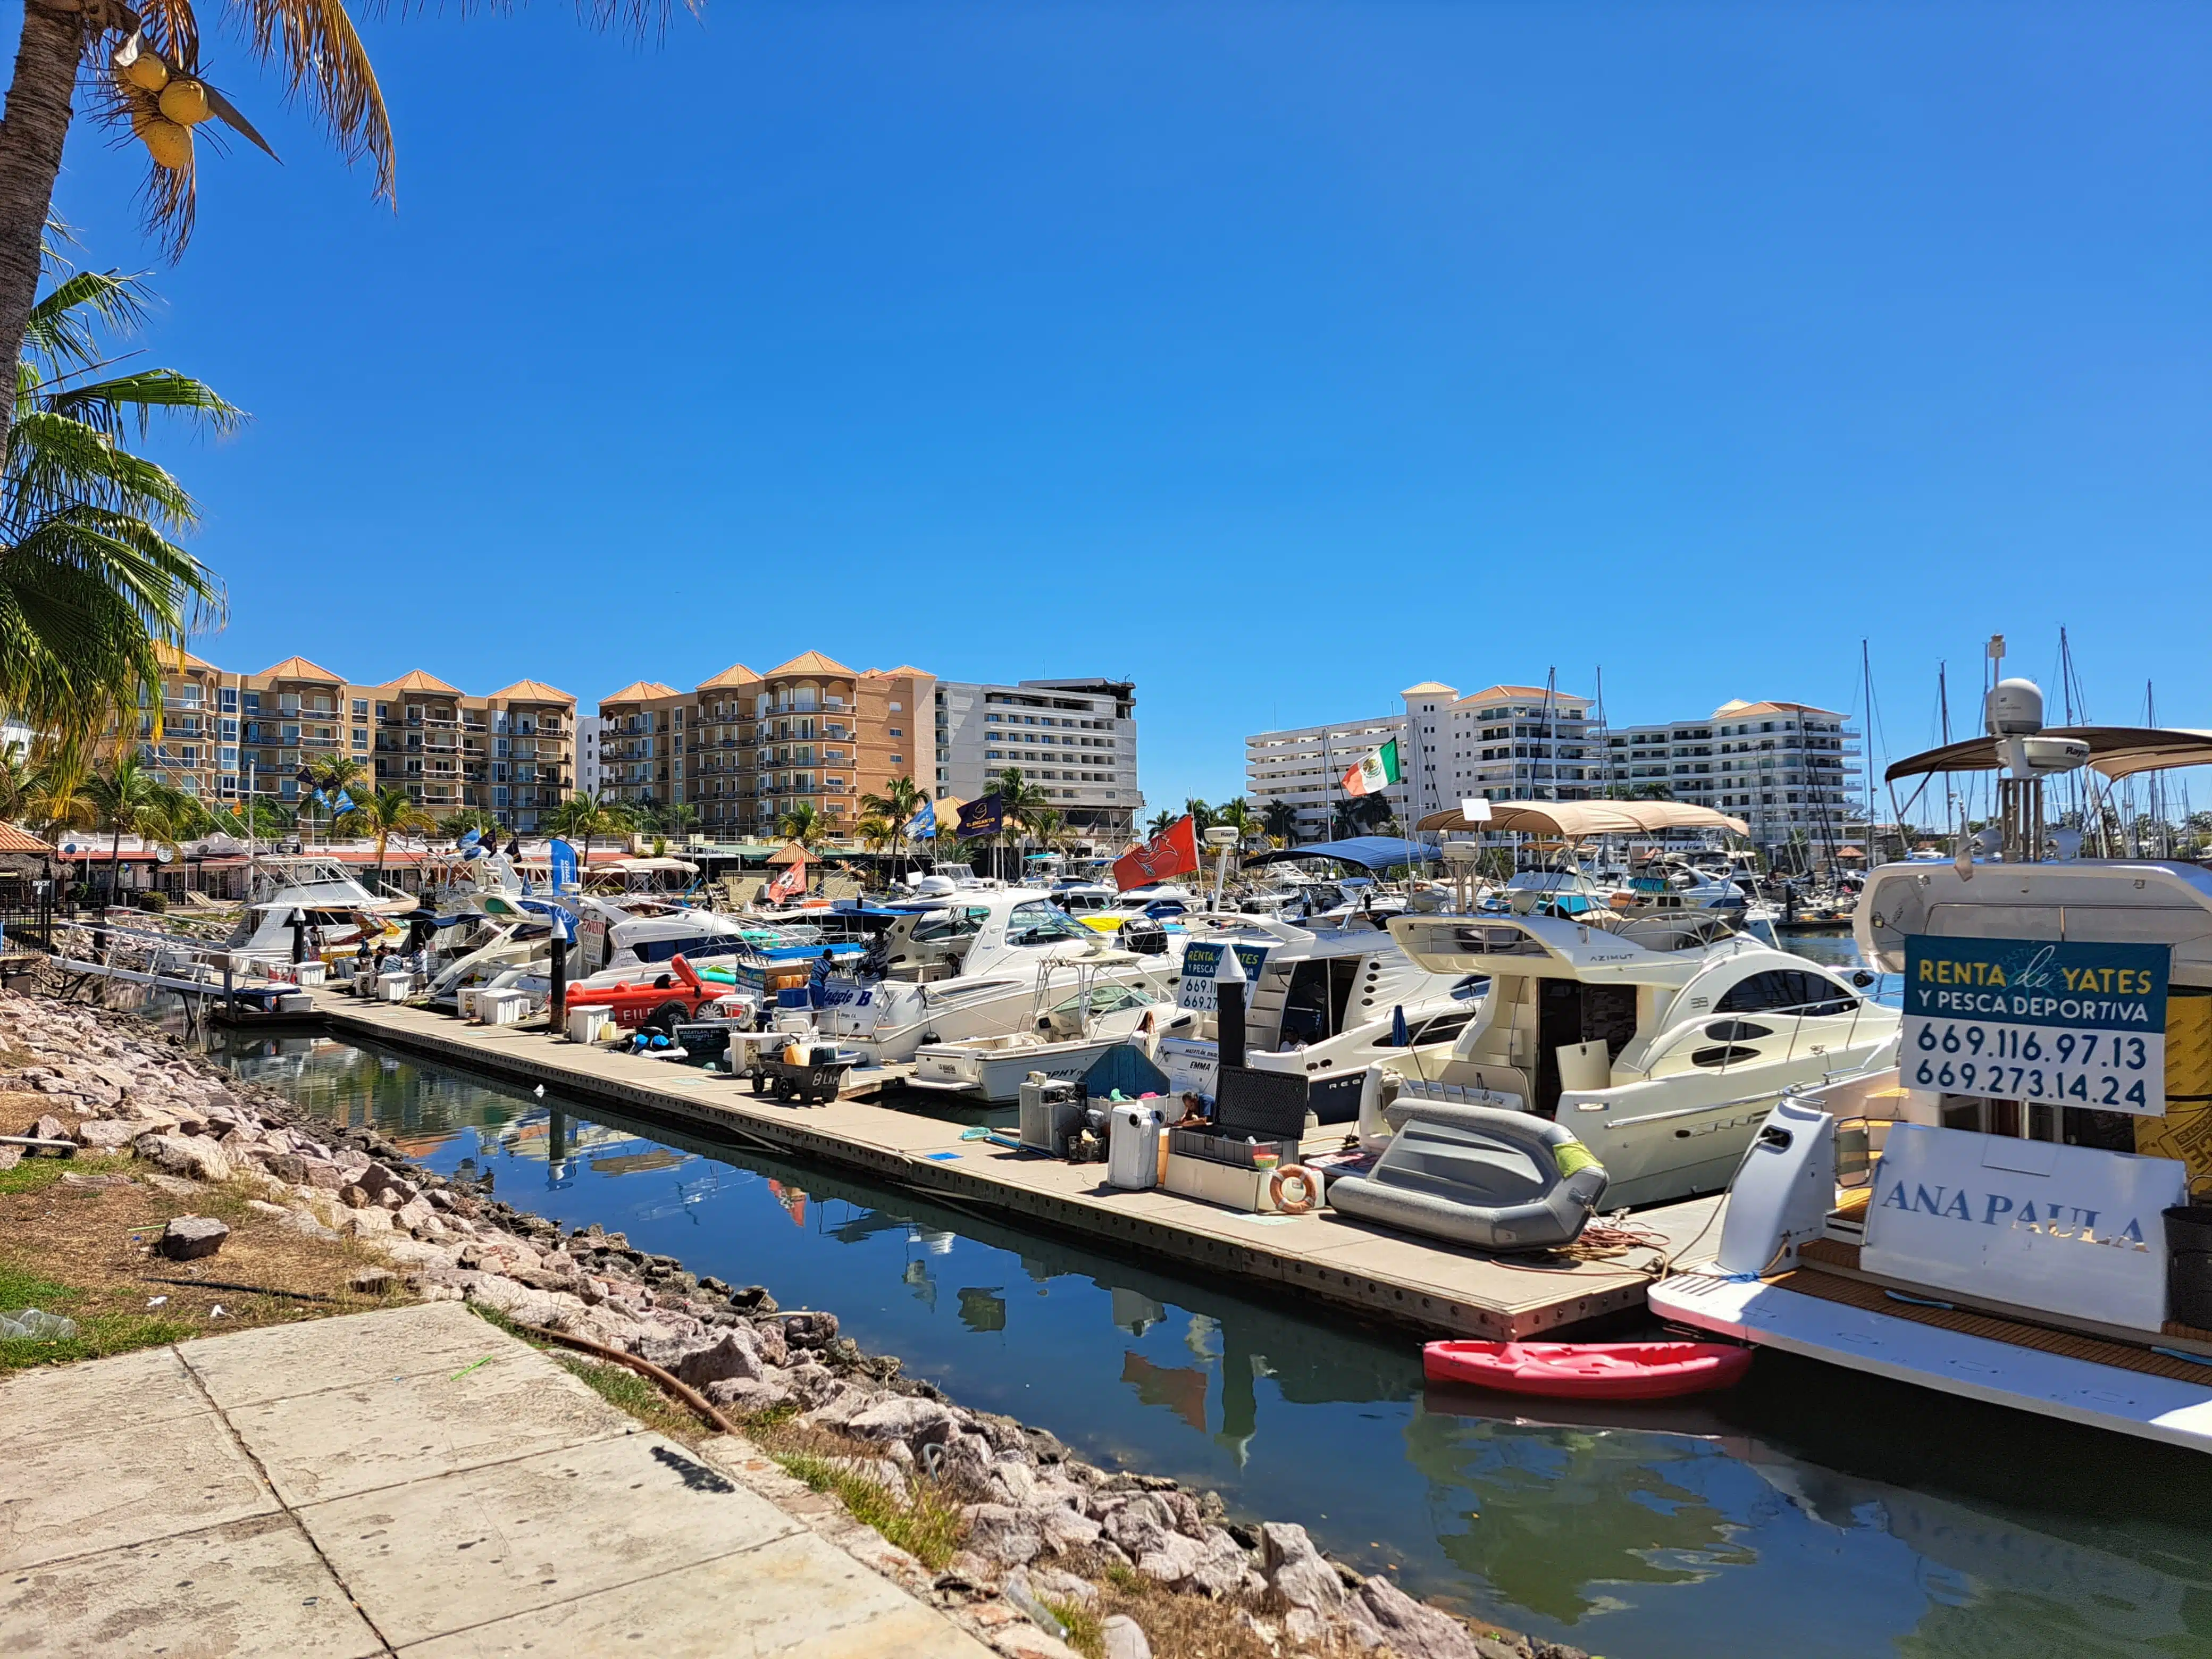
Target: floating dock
x=1429, y=1286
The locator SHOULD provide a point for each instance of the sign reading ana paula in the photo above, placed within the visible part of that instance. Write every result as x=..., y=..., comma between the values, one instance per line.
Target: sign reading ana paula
x=2062, y=1025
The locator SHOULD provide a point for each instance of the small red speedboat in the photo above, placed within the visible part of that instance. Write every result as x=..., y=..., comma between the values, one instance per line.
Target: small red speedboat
x=1589, y=1371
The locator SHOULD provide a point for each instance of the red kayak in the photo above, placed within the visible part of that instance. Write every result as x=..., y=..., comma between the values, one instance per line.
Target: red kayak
x=1589, y=1371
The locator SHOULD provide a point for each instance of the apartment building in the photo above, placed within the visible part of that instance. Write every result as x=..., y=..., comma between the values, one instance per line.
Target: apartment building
x=588, y=777
x=1076, y=739
x=510, y=753
x=1786, y=768
x=1304, y=767
x=745, y=748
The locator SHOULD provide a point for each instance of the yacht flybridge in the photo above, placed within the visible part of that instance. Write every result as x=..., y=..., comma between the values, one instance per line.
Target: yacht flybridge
x=2022, y=1232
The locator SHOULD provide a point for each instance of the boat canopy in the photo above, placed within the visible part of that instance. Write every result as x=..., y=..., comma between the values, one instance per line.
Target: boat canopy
x=1571, y=820
x=2117, y=752
x=1369, y=851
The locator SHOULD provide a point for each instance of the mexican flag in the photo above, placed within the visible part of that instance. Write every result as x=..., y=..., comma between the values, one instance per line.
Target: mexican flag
x=1378, y=770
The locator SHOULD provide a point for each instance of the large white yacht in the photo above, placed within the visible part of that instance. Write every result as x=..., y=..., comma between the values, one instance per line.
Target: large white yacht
x=2006, y=1216
x=1015, y=938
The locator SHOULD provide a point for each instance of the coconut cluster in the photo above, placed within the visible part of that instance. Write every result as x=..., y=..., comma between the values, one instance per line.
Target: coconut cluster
x=165, y=105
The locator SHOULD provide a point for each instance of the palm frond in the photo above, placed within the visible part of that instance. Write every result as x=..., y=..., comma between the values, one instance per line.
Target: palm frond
x=314, y=45
x=60, y=331
x=109, y=405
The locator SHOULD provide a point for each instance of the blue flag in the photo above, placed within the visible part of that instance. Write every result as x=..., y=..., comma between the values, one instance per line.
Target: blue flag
x=342, y=805
x=563, y=858
x=321, y=799
x=923, y=826
x=471, y=839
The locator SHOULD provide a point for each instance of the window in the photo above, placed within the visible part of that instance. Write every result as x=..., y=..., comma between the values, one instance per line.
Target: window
x=361, y=709
x=1785, y=990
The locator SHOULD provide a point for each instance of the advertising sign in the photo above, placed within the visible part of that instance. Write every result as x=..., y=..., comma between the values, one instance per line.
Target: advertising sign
x=2068, y=1230
x=1200, y=963
x=2027, y=1020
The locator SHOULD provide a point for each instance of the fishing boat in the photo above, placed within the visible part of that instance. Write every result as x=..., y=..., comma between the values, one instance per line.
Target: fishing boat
x=2005, y=1215
x=1075, y=1019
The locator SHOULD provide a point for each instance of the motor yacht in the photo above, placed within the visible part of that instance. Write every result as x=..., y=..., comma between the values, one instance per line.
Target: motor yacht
x=2005, y=1215
x=1011, y=939
x=1075, y=1019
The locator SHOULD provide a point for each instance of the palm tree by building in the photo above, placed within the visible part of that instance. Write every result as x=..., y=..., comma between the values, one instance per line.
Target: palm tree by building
x=1201, y=815
x=91, y=586
x=127, y=798
x=590, y=816
x=804, y=825
x=900, y=800
x=332, y=776
x=1281, y=822
x=385, y=813
x=1161, y=821
x=1019, y=803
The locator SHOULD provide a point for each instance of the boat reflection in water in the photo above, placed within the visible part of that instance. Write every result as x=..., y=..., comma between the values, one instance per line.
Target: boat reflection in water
x=1811, y=1513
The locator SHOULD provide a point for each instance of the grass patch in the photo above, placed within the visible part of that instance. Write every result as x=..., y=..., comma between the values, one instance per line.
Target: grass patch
x=1086, y=1632
x=83, y=1251
x=640, y=1396
x=923, y=1523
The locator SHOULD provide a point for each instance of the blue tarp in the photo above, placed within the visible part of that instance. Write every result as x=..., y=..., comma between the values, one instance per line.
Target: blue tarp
x=1371, y=852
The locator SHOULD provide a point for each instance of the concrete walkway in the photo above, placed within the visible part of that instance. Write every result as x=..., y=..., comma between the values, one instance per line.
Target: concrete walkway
x=411, y=1481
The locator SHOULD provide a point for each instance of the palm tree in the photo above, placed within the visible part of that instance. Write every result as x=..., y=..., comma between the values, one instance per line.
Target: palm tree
x=332, y=774
x=1201, y=815
x=127, y=797
x=91, y=585
x=1237, y=816
x=590, y=816
x=804, y=825
x=900, y=800
x=18, y=779
x=678, y=817
x=126, y=60
x=1281, y=819
x=458, y=823
x=1019, y=803
x=385, y=813
x=1161, y=821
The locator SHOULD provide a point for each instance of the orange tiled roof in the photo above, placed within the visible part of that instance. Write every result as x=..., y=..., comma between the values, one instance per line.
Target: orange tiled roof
x=533, y=691
x=809, y=662
x=735, y=675
x=419, y=681
x=13, y=840
x=1491, y=692
x=640, y=691
x=299, y=668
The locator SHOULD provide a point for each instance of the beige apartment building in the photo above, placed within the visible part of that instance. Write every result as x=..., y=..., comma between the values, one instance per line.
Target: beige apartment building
x=510, y=753
x=744, y=749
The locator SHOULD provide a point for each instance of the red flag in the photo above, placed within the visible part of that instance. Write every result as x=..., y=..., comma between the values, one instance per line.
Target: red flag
x=1173, y=852
x=791, y=883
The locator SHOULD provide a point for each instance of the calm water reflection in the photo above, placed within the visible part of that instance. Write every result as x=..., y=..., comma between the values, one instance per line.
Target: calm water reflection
x=1811, y=1514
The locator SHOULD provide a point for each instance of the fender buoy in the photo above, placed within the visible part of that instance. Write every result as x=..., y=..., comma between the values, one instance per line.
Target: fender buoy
x=1308, y=1189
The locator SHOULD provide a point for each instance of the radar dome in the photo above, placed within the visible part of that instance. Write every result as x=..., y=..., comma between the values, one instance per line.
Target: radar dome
x=2014, y=709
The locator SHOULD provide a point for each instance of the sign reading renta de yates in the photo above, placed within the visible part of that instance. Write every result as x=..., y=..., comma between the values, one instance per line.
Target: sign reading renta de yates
x=2064, y=1024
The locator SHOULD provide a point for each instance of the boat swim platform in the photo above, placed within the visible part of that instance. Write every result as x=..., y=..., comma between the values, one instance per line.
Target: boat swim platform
x=1425, y=1285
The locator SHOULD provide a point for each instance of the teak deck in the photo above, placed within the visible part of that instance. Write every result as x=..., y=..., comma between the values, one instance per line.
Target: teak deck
x=1426, y=1285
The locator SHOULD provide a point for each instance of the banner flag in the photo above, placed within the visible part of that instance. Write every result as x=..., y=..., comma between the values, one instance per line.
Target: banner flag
x=562, y=857
x=1173, y=852
x=923, y=826
x=987, y=816
x=1375, y=772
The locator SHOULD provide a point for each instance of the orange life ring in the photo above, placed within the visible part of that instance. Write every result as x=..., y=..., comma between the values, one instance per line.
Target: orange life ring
x=1308, y=1183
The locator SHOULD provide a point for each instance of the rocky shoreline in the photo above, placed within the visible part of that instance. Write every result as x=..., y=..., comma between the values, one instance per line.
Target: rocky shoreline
x=1039, y=1526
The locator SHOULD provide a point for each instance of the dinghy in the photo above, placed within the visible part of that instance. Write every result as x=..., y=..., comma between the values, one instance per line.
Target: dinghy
x=1589, y=1371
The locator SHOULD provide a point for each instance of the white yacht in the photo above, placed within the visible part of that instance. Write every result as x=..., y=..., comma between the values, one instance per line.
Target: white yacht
x=323, y=894
x=1660, y=1042
x=1075, y=1020
x=1014, y=940
x=2007, y=1215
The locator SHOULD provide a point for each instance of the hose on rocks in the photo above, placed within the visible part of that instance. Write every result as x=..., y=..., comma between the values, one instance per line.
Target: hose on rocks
x=684, y=1391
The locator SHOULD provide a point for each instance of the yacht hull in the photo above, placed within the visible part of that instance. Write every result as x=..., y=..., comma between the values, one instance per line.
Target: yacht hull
x=2101, y=1396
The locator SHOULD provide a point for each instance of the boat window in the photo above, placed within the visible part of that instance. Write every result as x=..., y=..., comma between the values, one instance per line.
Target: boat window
x=1041, y=922
x=1736, y=1030
x=1725, y=1055
x=1786, y=989
x=1441, y=1029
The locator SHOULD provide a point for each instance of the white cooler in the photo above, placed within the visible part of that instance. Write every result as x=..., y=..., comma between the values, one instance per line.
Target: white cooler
x=503, y=1008
x=464, y=1002
x=394, y=987
x=588, y=1023
x=309, y=973
x=1132, y=1146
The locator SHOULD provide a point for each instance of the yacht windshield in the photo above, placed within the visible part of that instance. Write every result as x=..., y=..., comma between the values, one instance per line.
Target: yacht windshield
x=1040, y=921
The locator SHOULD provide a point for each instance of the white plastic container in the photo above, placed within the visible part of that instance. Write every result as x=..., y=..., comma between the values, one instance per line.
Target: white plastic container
x=394, y=987
x=464, y=1002
x=292, y=1002
x=587, y=1023
x=1132, y=1146
x=503, y=1008
x=309, y=973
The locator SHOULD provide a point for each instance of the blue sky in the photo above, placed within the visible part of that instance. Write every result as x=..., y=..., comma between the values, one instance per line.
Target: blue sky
x=1276, y=356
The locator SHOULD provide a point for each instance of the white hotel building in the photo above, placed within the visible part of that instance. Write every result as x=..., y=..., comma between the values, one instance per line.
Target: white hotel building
x=1790, y=770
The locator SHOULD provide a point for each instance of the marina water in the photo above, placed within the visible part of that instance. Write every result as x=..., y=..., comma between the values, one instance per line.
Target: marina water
x=1812, y=1513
